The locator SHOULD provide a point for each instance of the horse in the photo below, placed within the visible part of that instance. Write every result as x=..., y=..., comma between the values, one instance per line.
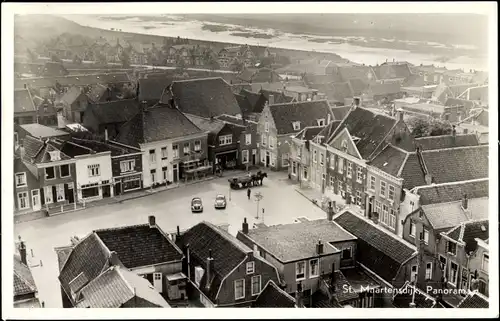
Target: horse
x=258, y=178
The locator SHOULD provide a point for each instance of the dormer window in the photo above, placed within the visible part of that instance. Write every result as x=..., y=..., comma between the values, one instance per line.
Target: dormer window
x=55, y=155
x=321, y=122
x=296, y=125
x=355, y=139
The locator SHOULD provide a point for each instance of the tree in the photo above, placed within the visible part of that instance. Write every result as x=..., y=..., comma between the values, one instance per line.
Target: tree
x=422, y=127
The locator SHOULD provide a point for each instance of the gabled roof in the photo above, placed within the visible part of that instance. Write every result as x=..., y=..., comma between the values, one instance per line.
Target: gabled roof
x=42, y=131
x=23, y=101
x=118, y=111
x=274, y=297
x=297, y=241
x=307, y=113
x=446, y=141
x=468, y=232
x=377, y=249
x=204, y=97
x=97, y=92
x=151, y=88
x=385, y=89
x=117, y=287
x=358, y=86
x=279, y=97
x=157, y=123
x=336, y=92
x=139, y=245
x=442, y=193
x=412, y=172
x=211, y=125
x=365, y=73
x=309, y=133
x=23, y=279
x=244, y=103
x=390, y=160
x=474, y=300
x=236, y=120
x=227, y=252
x=392, y=71
x=257, y=101
x=37, y=152
x=71, y=95
x=327, y=131
x=259, y=75
x=371, y=129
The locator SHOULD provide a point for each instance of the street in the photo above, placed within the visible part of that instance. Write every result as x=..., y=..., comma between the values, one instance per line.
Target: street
x=281, y=204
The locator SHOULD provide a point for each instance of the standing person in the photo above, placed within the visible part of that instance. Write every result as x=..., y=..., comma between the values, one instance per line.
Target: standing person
x=248, y=192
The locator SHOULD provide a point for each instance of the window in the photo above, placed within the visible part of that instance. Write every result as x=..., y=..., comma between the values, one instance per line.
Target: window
x=428, y=271
x=263, y=140
x=271, y=142
x=250, y=267
x=413, y=273
x=239, y=289
x=94, y=170
x=359, y=198
x=50, y=173
x=197, y=145
x=385, y=214
x=332, y=161
x=321, y=122
x=248, y=139
x=372, y=183
x=294, y=168
x=426, y=236
x=300, y=270
x=225, y=140
x=346, y=254
x=36, y=200
x=16, y=139
x=348, y=189
x=359, y=175
x=392, y=218
x=266, y=128
x=452, y=248
x=127, y=165
x=284, y=160
x=164, y=153
x=391, y=192
x=299, y=151
x=296, y=125
x=442, y=261
x=485, y=263
x=383, y=186
x=313, y=268
x=305, y=173
x=152, y=156
x=256, y=284
x=164, y=170
x=340, y=187
x=64, y=171
x=453, y=273
x=377, y=207
x=332, y=181
x=153, y=176
x=60, y=192
x=349, y=169
x=412, y=229
x=321, y=159
x=315, y=156
x=187, y=149
x=175, y=151
x=198, y=274
x=20, y=179
x=244, y=156
x=341, y=165
x=47, y=192
x=55, y=155
x=273, y=160
x=22, y=200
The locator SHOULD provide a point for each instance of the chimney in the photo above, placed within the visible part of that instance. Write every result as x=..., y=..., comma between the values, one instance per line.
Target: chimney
x=271, y=99
x=74, y=240
x=399, y=114
x=210, y=267
x=319, y=248
x=329, y=120
x=106, y=134
x=298, y=296
x=245, y=226
x=22, y=253
x=113, y=259
x=465, y=202
x=332, y=278
x=152, y=221
x=178, y=231
x=356, y=102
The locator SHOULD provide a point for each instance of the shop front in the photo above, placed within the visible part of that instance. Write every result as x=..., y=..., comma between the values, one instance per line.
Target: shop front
x=95, y=191
x=227, y=159
x=129, y=183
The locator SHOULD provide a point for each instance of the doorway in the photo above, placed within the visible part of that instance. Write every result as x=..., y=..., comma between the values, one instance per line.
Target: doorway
x=268, y=159
x=35, y=199
x=106, y=191
x=254, y=157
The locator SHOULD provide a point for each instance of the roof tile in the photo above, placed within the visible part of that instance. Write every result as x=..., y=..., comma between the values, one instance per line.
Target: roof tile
x=307, y=113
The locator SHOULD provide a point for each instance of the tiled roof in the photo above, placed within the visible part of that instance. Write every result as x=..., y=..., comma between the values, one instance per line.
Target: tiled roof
x=442, y=193
x=474, y=300
x=297, y=241
x=71, y=95
x=327, y=131
x=412, y=172
x=256, y=100
x=446, y=141
x=457, y=164
x=307, y=113
x=139, y=245
x=336, y=92
x=42, y=131
x=468, y=232
x=151, y=89
x=390, y=160
x=404, y=297
x=23, y=102
x=377, y=249
x=321, y=300
x=357, y=72
x=244, y=103
x=157, y=123
x=414, y=80
x=117, y=286
x=274, y=297
x=385, y=89
x=392, y=71
x=344, y=292
x=100, y=146
x=309, y=133
x=36, y=151
x=459, y=102
x=358, y=86
x=277, y=86
x=23, y=279
x=204, y=97
x=236, y=120
x=213, y=126
x=62, y=255
x=227, y=252
x=312, y=79
x=73, y=80
x=371, y=129
x=98, y=91
x=118, y=111
x=340, y=112
x=259, y=75
x=279, y=98
x=443, y=216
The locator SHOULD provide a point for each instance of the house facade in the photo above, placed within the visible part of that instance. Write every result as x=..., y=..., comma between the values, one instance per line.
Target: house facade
x=479, y=267
x=94, y=176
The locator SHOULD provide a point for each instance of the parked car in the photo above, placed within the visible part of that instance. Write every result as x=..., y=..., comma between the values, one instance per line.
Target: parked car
x=220, y=201
x=196, y=205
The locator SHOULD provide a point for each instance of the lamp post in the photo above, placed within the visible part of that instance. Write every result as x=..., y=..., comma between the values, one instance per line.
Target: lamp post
x=258, y=197
x=229, y=191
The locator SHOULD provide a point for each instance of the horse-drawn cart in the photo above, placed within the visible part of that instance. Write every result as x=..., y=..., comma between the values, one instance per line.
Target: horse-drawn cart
x=246, y=181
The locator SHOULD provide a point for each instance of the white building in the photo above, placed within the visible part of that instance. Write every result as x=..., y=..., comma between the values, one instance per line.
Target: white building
x=94, y=176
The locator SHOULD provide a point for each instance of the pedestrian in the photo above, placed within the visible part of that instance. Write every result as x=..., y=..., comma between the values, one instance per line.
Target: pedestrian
x=248, y=192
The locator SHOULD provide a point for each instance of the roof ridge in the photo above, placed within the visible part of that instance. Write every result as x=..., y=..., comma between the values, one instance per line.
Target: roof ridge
x=237, y=243
x=118, y=270
x=477, y=180
x=456, y=148
x=197, y=79
x=28, y=283
x=119, y=227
